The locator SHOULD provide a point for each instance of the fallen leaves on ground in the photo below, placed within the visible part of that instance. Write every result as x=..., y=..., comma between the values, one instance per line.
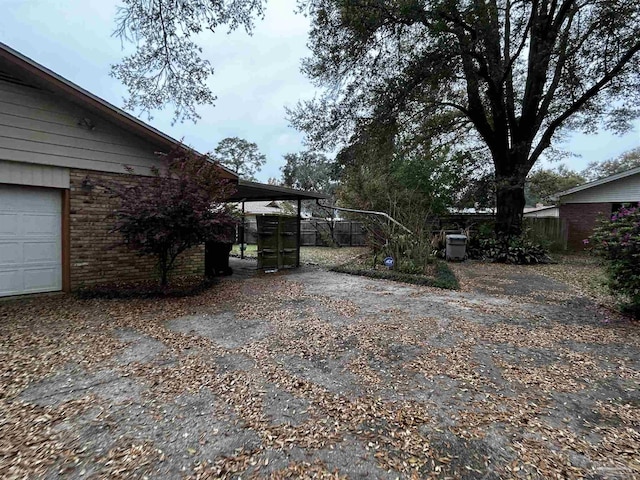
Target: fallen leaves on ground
x=408, y=381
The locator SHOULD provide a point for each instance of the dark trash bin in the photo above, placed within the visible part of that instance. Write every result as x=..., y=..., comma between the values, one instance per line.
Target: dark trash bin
x=216, y=258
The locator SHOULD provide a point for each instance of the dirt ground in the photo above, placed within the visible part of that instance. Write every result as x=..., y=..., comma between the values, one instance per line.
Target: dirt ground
x=319, y=256
x=315, y=374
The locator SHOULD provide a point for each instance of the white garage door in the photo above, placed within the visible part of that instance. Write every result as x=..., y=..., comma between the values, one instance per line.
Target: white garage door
x=30, y=240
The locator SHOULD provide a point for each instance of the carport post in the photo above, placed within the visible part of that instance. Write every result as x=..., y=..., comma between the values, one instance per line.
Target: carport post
x=242, y=234
x=299, y=235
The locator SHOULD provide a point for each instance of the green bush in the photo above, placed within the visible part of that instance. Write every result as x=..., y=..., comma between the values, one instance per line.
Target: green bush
x=617, y=241
x=444, y=277
x=483, y=245
x=411, y=253
x=518, y=250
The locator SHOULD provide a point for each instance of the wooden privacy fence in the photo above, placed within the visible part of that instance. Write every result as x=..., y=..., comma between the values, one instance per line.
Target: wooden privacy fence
x=550, y=231
x=317, y=233
x=346, y=233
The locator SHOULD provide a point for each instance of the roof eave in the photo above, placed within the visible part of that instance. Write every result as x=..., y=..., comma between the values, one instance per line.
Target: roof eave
x=79, y=95
x=596, y=183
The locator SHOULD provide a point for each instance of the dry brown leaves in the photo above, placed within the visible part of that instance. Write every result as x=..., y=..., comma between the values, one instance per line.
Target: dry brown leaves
x=583, y=273
x=536, y=459
x=456, y=362
x=36, y=342
x=30, y=354
x=30, y=443
x=307, y=471
x=129, y=459
x=398, y=445
x=329, y=257
x=224, y=467
x=574, y=372
x=496, y=409
x=624, y=412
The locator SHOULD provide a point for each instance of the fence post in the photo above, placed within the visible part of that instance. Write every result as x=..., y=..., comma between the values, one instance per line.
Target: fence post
x=242, y=234
x=298, y=232
x=351, y=233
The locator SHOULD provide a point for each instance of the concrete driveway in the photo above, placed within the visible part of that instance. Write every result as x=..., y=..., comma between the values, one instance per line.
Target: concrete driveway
x=315, y=374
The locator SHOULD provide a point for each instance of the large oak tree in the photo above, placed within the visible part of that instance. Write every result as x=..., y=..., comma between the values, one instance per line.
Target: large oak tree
x=518, y=72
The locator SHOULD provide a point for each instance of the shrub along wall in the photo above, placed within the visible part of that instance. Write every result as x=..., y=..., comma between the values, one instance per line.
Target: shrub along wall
x=98, y=256
x=617, y=240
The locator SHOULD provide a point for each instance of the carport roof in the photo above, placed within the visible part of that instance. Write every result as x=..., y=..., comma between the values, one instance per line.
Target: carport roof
x=247, y=191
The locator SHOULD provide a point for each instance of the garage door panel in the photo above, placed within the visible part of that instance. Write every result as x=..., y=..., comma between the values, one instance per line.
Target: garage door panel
x=41, y=252
x=40, y=224
x=41, y=279
x=11, y=253
x=30, y=240
x=30, y=199
x=11, y=282
x=9, y=224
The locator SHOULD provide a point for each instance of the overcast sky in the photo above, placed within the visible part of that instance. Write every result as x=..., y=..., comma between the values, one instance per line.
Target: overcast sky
x=256, y=76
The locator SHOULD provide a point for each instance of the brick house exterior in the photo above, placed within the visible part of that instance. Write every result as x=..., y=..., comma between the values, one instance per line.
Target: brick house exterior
x=58, y=144
x=582, y=206
x=581, y=218
x=95, y=254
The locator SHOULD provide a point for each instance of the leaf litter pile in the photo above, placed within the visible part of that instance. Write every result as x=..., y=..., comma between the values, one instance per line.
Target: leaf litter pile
x=268, y=378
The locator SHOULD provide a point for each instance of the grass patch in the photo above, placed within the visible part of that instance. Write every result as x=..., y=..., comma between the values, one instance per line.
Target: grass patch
x=442, y=277
x=250, y=252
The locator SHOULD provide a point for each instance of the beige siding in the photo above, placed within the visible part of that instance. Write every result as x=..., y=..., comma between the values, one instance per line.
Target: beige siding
x=38, y=127
x=34, y=175
x=618, y=191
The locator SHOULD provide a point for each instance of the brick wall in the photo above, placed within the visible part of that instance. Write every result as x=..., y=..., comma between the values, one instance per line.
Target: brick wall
x=581, y=218
x=95, y=254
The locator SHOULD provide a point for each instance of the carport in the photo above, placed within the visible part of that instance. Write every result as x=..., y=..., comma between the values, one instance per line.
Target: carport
x=247, y=191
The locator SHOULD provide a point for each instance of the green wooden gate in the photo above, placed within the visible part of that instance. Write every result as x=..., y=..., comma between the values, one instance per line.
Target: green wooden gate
x=277, y=242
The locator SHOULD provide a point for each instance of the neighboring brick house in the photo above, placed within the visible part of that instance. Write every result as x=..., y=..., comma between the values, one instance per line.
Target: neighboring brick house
x=58, y=144
x=582, y=206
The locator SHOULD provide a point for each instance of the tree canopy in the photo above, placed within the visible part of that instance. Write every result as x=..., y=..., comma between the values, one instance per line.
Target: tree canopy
x=406, y=181
x=626, y=161
x=310, y=171
x=241, y=156
x=543, y=184
x=167, y=65
x=516, y=73
x=511, y=75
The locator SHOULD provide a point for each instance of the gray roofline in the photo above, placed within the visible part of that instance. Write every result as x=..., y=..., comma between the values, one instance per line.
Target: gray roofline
x=595, y=183
x=539, y=209
x=88, y=99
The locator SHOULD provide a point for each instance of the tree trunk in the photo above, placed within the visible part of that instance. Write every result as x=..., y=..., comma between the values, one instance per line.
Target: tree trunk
x=163, y=276
x=510, y=202
x=164, y=269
